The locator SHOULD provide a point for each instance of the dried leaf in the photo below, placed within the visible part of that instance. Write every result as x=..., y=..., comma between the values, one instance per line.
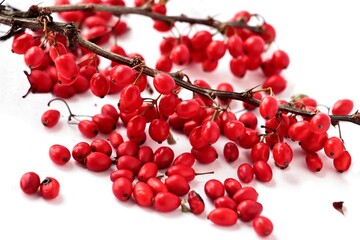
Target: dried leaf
x=339, y=206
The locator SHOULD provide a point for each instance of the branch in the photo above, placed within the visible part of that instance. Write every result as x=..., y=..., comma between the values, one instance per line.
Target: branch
x=72, y=33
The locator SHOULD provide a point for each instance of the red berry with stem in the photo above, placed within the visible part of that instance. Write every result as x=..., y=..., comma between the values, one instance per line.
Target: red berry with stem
x=30, y=182
x=262, y=226
x=99, y=85
x=262, y=171
x=213, y=189
x=320, y=123
x=59, y=154
x=196, y=203
x=268, y=107
x=333, y=147
x=40, y=82
x=49, y=188
x=164, y=83
x=245, y=172
x=282, y=154
x=122, y=188
x=313, y=162
x=342, y=163
x=166, y=202
x=50, y=118
x=223, y=216
x=57, y=50
x=231, y=152
x=98, y=162
x=342, y=107
x=143, y=194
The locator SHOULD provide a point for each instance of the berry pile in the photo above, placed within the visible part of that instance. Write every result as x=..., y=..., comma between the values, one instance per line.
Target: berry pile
x=155, y=177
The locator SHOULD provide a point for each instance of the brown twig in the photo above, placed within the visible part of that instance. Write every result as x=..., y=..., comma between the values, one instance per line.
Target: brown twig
x=72, y=33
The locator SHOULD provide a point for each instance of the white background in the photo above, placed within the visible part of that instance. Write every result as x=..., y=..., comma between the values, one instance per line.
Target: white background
x=322, y=40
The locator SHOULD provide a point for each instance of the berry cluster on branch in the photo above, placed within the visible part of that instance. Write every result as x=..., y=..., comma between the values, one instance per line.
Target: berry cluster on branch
x=64, y=60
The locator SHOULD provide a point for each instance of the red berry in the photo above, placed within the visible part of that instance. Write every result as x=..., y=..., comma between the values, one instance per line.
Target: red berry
x=80, y=151
x=163, y=157
x=226, y=202
x=180, y=55
x=248, y=210
x=333, y=147
x=235, y=46
x=50, y=118
x=268, y=107
x=185, y=159
x=280, y=59
x=49, y=188
x=88, y=128
x=201, y=39
x=164, y=83
x=320, y=123
x=282, y=154
x=99, y=85
x=231, y=152
x=59, y=154
x=30, y=182
x=122, y=188
x=276, y=82
x=214, y=188
x=342, y=107
x=67, y=67
x=262, y=226
x=342, y=163
x=262, y=171
x=313, y=162
x=231, y=186
x=159, y=130
x=166, y=202
x=196, y=203
x=98, y=162
x=245, y=193
x=34, y=57
x=299, y=131
x=177, y=184
x=254, y=46
x=101, y=145
x=130, y=163
x=147, y=171
x=205, y=154
x=156, y=185
x=143, y=194
x=22, y=43
x=260, y=152
x=245, y=172
x=223, y=216
x=122, y=173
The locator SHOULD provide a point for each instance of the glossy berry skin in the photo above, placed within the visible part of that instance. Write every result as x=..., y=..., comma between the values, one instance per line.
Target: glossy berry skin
x=159, y=130
x=248, y=210
x=226, y=202
x=254, y=46
x=163, y=157
x=122, y=188
x=101, y=145
x=30, y=182
x=59, y=154
x=88, y=128
x=50, y=118
x=213, y=189
x=163, y=83
x=245, y=193
x=333, y=147
x=99, y=85
x=205, y=154
x=143, y=194
x=125, y=173
x=245, y=172
x=22, y=43
x=231, y=152
x=130, y=163
x=313, y=162
x=231, y=186
x=276, y=82
x=186, y=171
x=260, y=152
x=166, y=202
x=342, y=163
x=49, y=188
x=320, y=123
x=268, y=107
x=34, y=57
x=67, y=67
x=299, y=131
x=223, y=216
x=185, y=159
x=282, y=154
x=180, y=55
x=177, y=184
x=156, y=185
x=80, y=151
x=98, y=162
x=280, y=59
x=262, y=171
x=210, y=132
x=148, y=170
x=262, y=226
x=342, y=107
x=196, y=203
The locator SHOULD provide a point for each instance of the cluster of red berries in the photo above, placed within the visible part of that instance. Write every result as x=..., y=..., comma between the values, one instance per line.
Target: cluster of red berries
x=30, y=183
x=156, y=177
